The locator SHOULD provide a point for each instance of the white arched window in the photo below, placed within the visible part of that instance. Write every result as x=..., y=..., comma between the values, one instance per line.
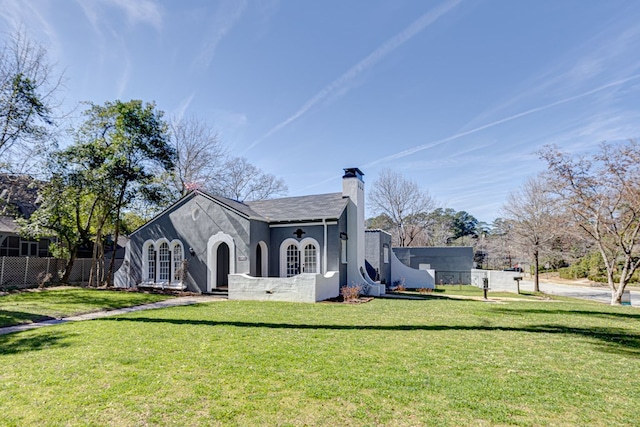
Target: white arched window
x=164, y=263
x=310, y=259
x=151, y=263
x=177, y=255
x=299, y=257
x=293, y=260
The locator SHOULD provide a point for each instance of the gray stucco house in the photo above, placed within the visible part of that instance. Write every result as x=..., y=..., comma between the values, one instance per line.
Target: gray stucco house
x=294, y=248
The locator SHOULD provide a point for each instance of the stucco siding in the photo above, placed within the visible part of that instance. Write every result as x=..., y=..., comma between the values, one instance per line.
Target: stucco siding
x=452, y=264
x=260, y=233
x=193, y=221
x=375, y=241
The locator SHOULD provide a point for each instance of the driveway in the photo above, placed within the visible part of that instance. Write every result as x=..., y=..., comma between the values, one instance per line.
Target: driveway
x=600, y=294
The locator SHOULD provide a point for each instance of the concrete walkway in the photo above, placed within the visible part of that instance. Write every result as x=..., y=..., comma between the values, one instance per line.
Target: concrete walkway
x=174, y=302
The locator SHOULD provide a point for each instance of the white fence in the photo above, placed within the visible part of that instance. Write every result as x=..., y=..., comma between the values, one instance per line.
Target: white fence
x=498, y=280
x=28, y=272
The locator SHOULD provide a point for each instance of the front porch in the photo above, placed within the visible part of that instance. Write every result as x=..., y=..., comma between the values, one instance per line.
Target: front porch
x=305, y=287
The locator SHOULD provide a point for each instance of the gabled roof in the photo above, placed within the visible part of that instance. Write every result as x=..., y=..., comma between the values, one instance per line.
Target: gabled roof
x=8, y=225
x=287, y=209
x=18, y=195
x=303, y=208
x=239, y=207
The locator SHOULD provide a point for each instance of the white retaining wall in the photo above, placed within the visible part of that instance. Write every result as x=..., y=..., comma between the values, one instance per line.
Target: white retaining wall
x=306, y=287
x=412, y=278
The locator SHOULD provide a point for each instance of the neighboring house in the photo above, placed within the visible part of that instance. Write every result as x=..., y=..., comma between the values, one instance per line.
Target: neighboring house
x=294, y=248
x=19, y=199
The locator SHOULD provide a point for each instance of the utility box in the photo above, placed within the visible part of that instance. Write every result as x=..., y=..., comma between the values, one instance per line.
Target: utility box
x=626, y=297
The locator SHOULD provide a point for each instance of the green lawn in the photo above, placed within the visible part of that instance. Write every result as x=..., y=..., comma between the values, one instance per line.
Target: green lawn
x=472, y=291
x=433, y=362
x=38, y=305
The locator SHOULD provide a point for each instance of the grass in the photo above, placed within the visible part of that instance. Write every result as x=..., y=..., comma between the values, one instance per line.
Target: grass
x=472, y=291
x=436, y=362
x=39, y=305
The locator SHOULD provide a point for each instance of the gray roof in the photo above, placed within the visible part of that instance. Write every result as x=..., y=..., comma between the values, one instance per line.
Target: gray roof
x=19, y=195
x=303, y=208
x=8, y=225
x=235, y=205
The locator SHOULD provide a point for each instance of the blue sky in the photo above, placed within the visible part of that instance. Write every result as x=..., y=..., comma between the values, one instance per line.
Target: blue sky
x=456, y=95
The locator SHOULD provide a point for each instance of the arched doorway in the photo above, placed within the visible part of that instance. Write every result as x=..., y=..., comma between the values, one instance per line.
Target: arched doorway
x=222, y=266
x=258, y=261
x=220, y=261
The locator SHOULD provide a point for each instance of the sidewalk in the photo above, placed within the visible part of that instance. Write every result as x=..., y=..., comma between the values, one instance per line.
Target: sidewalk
x=175, y=302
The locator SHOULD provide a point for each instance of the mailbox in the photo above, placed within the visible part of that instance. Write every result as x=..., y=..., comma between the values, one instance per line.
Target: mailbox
x=517, y=279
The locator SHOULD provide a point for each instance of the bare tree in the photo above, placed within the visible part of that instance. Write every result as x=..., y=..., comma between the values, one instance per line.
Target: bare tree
x=499, y=247
x=202, y=163
x=200, y=154
x=405, y=204
x=28, y=89
x=242, y=181
x=532, y=213
x=601, y=194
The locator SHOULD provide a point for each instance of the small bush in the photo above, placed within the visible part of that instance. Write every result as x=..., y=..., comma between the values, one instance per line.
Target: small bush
x=424, y=291
x=398, y=285
x=350, y=293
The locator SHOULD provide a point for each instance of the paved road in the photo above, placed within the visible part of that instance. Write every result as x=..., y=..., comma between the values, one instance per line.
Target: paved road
x=601, y=294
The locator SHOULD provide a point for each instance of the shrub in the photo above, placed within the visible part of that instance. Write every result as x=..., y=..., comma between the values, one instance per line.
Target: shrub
x=424, y=291
x=398, y=285
x=350, y=293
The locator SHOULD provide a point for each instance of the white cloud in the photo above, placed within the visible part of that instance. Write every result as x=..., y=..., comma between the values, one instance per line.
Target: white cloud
x=224, y=19
x=178, y=113
x=32, y=16
x=426, y=146
x=145, y=11
x=609, y=54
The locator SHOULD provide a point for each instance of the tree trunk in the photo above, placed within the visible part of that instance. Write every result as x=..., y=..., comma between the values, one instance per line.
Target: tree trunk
x=115, y=240
x=616, y=294
x=93, y=274
x=536, y=272
x=67, y=269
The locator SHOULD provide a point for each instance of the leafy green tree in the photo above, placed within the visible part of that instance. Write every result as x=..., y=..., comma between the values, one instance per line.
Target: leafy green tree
x=464, y=224
x=112, y=163
x=120, y=145
x=68, y=211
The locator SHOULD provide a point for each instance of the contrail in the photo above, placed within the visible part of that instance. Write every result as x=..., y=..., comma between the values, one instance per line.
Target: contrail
x=422, y=147
x=341, y=82
x=426, y=146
